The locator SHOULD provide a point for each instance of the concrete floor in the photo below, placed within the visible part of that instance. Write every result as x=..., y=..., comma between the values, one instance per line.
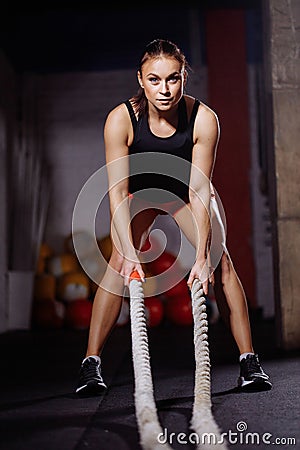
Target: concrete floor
x=39, y=410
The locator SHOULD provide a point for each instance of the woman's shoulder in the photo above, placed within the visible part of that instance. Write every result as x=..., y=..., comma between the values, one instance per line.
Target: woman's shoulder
x=118, y=110
x=118, y=124
x=206, y=122
x=203, y=108
x=118, y=114
x=207, y=119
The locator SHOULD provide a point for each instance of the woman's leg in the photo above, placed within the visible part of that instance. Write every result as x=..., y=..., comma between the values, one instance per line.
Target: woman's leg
x=230, y=298
x=232, y=303
x=106, y=305
x=106, y=308
x=109, y=295
x=229, y=292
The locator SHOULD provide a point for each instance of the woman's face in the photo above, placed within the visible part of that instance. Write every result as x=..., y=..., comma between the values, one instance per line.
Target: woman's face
x=163, y=82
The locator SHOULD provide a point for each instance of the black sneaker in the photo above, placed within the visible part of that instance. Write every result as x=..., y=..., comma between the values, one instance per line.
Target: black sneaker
x=252, y=377
x=90, y=380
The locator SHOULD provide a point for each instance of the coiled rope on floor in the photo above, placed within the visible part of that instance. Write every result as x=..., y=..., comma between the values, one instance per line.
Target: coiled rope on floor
x=202, y=421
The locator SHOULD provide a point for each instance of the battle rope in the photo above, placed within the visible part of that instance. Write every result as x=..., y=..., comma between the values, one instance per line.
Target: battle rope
x=203, y=422
x=145, y=407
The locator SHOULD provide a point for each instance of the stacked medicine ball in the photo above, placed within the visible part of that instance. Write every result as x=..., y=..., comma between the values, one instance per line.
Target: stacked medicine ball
x=63, y=292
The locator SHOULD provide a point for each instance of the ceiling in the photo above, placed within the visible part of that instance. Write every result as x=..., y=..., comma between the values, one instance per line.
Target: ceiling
x=73, y=36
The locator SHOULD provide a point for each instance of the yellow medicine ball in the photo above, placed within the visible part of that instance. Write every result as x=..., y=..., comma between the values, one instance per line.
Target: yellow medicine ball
x=61, y=264
x=73, y=286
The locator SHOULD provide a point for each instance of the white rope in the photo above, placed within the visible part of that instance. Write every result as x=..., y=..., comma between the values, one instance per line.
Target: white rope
x=203, y=422
x=145, y=407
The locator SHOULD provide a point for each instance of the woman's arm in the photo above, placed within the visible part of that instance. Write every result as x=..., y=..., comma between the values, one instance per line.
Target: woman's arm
x=117, y=135
x=206, y=138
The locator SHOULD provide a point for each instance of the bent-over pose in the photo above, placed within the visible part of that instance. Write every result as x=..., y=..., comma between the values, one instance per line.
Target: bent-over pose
x=162, y=120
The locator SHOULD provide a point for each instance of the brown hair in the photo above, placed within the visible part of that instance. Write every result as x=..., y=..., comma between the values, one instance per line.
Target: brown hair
x=156, y=48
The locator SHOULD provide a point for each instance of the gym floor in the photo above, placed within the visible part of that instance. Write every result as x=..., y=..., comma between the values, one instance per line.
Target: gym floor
x=39, y=410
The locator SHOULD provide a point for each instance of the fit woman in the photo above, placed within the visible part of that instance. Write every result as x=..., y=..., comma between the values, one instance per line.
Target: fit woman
x=161, y=119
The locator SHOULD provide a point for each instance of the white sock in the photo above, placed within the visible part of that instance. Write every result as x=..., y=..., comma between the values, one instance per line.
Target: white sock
x=97, y=358
x=244, y=355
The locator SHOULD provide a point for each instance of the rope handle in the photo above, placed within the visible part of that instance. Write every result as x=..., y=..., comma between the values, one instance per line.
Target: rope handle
x=135, y=276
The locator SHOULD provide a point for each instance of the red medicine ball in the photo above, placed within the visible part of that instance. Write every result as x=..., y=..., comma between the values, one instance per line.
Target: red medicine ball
x=179, y=310
x=162, y=263
x=178, y=290
x=154, y=311
x=78, y=314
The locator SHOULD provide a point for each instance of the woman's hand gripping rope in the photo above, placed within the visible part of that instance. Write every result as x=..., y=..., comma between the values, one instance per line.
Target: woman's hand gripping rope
x=203, y=272
x=129, y=268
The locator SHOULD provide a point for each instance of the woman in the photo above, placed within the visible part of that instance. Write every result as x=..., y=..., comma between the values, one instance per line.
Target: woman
x=163, y=122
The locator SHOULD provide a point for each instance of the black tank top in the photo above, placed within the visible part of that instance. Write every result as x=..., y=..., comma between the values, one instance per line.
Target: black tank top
x=161, y=163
